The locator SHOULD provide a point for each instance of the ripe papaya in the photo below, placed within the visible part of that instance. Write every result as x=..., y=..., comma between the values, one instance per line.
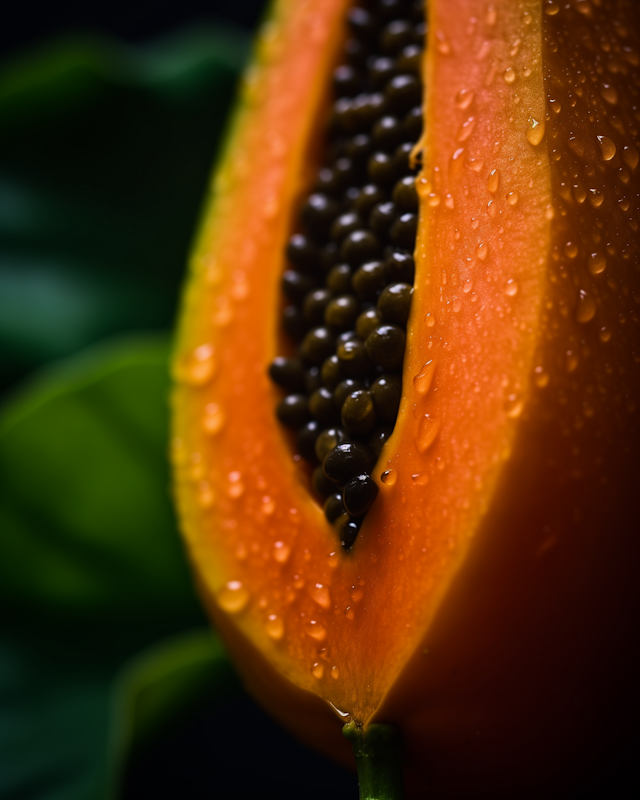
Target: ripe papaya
x=486, y=607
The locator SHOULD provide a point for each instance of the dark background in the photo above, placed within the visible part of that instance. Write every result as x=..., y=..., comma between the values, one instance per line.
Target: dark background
x=26, y=24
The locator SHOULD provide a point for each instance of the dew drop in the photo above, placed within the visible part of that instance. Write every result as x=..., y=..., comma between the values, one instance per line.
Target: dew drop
x=493, y=181
x=571, y=249
x=356, y=593
x=604, y=334
x=422, y=381
x=335, y=673
x=233, y=597
x=482, y=251
x=579, y=193
x=213, y=419
x=235, y=488
x=433, y=199
x=511, y=289
x=268, y=506
x=512, y=198
x=420, y=478
x=464, y=98
x=281, y=552
x=466, y=129
x=442, y=46
x=274, y=627
x=333, y=560
x=607, y=147
x=571, y=361
x=468, y=286
x=535, y=131
x=317, y=670
x=349, y=613
x=540, y=377
x=609, y=93
x=514, y=406
x=430, y=320
x=316, y=630
x=630, y=156
x=596, y=263
x=551, y=8
x=586, y=309
x=596, y=198
x=509, y=75
x=427, y=433
x=389, y=477
x=198, y=368
x=320, y=595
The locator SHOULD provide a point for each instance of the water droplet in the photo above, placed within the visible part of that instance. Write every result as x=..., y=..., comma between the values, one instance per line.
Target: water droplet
x=493, y=181
x=609, y=93
x=320, y=594
x=206, y=495
x=535, y=131
x=551, y=8
x=422, y=381
x=420, y=478
x=281, y=552
x=596, y=263
x=579, y=193
x=317, y=670
x=233, y=597
x=464, y=98
x=482, y=251
x=433, y=199
x=268, y=506
x=197, y=368
x=571, y=361
x=235, y=487
x=586, y=309
x=596, y=198
x=468, y=286
x=335, y=673
x=571, y=249
x=427, y=433
x=213, y=420
x=357, y=593
x=514, y=406
x=274, y=627
x=512, y=198
x=349, y=614
x=630, y=156
x=333, y=560
x=607, y=147
x=509, y=75
x=449, y=201
x=442, y=45
x=466, y=129
x=540, y=377
x=604, y=334
x=430, y=320
x=316, y=630
x=389, y=477
x=511, y=288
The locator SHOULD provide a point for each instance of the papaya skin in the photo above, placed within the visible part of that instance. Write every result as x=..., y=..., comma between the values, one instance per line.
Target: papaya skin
x=491, y=592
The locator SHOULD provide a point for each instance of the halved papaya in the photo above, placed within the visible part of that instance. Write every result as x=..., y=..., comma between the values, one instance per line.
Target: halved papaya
x=488, y=604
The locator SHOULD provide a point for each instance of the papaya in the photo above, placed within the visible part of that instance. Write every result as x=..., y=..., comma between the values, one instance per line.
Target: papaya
x=486, y=608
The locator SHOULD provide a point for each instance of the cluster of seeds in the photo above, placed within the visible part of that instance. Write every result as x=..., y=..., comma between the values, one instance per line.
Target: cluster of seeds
x=350, y=272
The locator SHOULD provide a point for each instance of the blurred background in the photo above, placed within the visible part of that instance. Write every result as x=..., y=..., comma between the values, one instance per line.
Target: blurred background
x=111, y=683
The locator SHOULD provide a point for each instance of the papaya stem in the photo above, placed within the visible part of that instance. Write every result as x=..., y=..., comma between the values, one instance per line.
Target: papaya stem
x=378, y=752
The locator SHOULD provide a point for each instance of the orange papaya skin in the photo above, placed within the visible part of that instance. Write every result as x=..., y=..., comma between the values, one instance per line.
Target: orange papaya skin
x=491, y=592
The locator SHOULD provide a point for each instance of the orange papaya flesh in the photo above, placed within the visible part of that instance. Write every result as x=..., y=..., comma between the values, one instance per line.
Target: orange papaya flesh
x=492, y=581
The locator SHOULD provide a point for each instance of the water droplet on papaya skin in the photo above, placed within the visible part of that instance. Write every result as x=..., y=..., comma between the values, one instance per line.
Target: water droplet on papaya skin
x=316, y=630
x=422, y=381
x=389, y=477
x=493, y=181
x=281, y=552
x=198, y=367
x=464, y=98
x=607, y=147
x=233, y=597
x=335, y=673
x=535, y=131
x=317, y=670
x=586, y=308
x=511, y=289
x=320, y=594
x=596, y=263
x=274, y=626
x=512, y=198
x=540, y=377
x=630, y=156
x=427, y=433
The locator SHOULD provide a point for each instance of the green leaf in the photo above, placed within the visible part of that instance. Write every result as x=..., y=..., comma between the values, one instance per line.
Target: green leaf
x=104, y=156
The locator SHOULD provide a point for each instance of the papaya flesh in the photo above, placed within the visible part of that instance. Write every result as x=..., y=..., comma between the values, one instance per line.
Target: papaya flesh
x=488, y=605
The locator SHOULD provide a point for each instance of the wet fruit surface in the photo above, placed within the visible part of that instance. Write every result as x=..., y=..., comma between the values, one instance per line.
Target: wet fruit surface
x=502, y=542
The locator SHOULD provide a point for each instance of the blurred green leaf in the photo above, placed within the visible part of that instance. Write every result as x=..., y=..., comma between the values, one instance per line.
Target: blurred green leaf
x=104, y=156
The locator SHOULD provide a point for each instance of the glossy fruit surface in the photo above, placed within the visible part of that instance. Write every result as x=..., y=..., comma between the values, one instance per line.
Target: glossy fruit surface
x=491, y=588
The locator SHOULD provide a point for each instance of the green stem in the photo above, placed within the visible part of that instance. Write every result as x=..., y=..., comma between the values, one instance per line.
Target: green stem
x=378, y=752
